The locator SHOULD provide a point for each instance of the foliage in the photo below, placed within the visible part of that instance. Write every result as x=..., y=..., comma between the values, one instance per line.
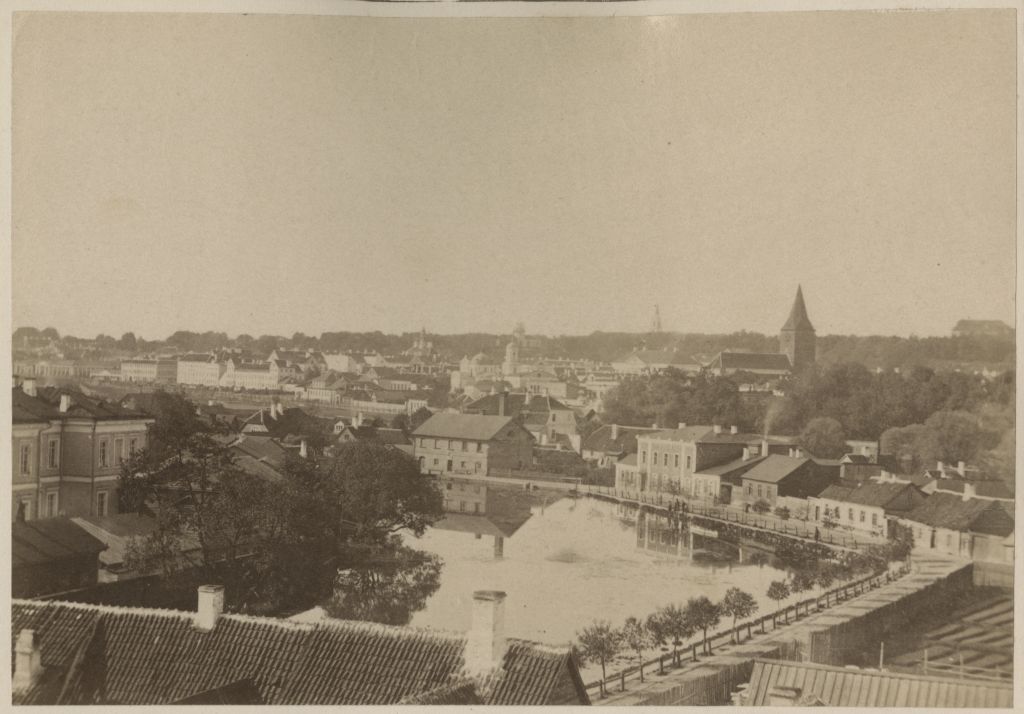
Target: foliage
x=669, y=625
x=636, y=637
x=778, y=591
x=761, y=506
x=737, y=604
x=802, y=580
x=782, y=512
x=417, y=418
x=702, y=614
x=824, y=438
x=674, y=397
x=599, y=642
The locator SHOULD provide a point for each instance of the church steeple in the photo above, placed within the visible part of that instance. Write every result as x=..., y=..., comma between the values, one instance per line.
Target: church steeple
x=797, y=339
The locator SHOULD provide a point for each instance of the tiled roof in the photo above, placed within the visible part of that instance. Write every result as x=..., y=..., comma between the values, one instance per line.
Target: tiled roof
x=660, y=357
x=844, y=687
x=774, y=468
x=515, y=402
x=867, y=493
x=158, y=657
x=982, y=489
x=946, y=510
x=45, y=405
x=734, y=468
x=458, y=693
x=688, y=434
x=625, y=441
x=476, y=427
x=49, y=540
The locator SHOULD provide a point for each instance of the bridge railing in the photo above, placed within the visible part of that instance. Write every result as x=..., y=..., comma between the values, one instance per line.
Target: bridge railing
x=697, y=648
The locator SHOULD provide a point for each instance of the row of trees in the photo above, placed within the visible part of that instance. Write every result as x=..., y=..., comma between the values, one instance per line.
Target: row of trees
x=668, y=626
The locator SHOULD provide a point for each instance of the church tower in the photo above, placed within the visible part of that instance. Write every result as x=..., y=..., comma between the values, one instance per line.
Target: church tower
x=796, y=339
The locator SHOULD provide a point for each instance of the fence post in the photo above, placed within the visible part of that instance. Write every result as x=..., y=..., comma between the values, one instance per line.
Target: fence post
x=622, y=681
x=694, y=651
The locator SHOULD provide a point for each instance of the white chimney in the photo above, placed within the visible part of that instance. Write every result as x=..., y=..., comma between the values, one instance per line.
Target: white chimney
x=28, y=386
x=961, y=467
x=65, y=403
x=280, y=409
x=485, y=645
x=734, y=429
x=970, y=491
x=211, y=606
x=654, y=425
x=717, y=428
x=615, y=432
x=746, y=453
x=303, y=452
x=682, y=425
x=28, y=660
x=938, y=466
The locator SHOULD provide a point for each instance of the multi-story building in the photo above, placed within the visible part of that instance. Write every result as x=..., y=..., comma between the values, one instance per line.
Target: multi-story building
x=67, y=451
x=200, y=370
x=471, y=444
x=866, y=506
x=543, y=416
x=149, y=370
x=255, y=376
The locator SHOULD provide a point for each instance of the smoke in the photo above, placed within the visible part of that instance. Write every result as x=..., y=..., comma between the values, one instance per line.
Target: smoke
x=771, y=413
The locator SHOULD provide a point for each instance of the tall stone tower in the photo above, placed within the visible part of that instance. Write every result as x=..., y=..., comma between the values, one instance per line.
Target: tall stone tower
x=796, y=339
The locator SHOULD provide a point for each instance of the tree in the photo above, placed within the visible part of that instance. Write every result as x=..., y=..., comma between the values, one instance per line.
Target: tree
x=670, y=626
x=951, y=436
x=903, y=442
x=761, y=506
x=599, y=642
x=637, y=638
x=778, y=591
x=823, y=437
x=703, y=614
x=803, y=579
x=50, y=333
x=737, y=604
x=128, y=341
x=782, y=512
x=400, y=421
x=417, y=418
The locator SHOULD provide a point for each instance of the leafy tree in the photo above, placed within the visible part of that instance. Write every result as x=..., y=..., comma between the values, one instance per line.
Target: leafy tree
x=823, y=437
x=778, y=591
x=904, y=443
x=384, y=584
x=761, y=506
x=128, y=341
x=803, y=579
x=670, y=626
x=782, y=512
x=417, y=418
x=737, y=604
x=951, y=436
x=50, y=333
x=599, y=642
x=703, y=614
x=400, y=421
x=637, y=638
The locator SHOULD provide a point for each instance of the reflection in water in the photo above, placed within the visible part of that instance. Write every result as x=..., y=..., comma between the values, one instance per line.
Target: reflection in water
x=387, y=588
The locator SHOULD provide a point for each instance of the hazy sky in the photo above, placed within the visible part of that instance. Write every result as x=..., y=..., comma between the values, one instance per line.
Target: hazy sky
x=272, y=174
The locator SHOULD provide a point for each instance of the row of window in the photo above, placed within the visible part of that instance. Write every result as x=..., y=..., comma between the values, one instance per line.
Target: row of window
x=450, y=465
x=51, y=506
x=453, y=444
x=654, y=459
x=462, y=486
x=53, y=454
x=850, y=515
x=462, y=506
x=761, y=493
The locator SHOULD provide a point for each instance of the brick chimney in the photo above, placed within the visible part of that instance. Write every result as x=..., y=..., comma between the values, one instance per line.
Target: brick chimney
x=65, y=403
x=961, y=468
x=615, y=432
x=211, y=607
x=28, y=660
x=486, y=645
x=28, y=386
x=734, y=429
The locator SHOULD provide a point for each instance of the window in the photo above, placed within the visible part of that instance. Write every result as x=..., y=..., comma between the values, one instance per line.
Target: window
x=750, y=490
x=817, y=513
x=51, y=504
x=677, y=461
x=435, y=461
x=462, y=506
x=451, y=444
x=423, y=442
x=437, y=443
x=949, y=540
x=654, y=459
x=477, y=467
x=862, y=516
x=643, y=457
x=874, y=519
x=759, y=491
x=687, y=462
x=448, y=485
x=103, y=453
x=462, y=464
x=26, y=459
x=850, y=514
x=666, y=460
x=476, y=508
x=101, y=503
x=464, y=445
x=119, y=450
x=51, y=456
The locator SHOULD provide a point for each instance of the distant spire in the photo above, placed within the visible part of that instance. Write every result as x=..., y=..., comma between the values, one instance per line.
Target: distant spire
x=798, y=320
x=656, y=322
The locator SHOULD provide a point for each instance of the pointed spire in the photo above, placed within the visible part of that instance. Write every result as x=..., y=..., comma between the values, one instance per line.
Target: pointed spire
x=798, y=320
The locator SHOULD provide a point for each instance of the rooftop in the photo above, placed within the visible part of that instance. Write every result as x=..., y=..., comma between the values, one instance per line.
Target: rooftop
x=947, y=510
x=50, y=540
x=775, y=468
x=475, y=427
x=867, y=493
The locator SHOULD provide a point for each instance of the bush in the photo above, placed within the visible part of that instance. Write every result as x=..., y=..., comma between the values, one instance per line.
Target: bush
x=782, y=512
x=761, y=506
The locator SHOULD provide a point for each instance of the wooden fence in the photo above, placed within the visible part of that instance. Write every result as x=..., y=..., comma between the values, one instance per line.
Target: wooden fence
x=697, y=648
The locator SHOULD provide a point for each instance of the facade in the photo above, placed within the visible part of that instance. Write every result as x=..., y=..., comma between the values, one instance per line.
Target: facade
x=781, y=480
x=251, y=376
x=471, y=444
x=67, y=451
x=164, y=371
x=797, y=339
x=543, y=416
x=962, y=527
x=865, y=507
x=199, y=370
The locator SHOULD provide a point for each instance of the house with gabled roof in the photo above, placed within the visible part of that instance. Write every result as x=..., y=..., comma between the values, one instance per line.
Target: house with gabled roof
x=73, y=653
x=961, y=526
x=476, y=444
x=52, y=555
x=865, y=506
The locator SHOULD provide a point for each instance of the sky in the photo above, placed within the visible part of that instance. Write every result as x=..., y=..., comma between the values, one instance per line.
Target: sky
x=273, y=174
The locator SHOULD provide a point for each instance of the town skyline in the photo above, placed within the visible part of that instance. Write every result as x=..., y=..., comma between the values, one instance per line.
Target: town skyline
x=410, y=189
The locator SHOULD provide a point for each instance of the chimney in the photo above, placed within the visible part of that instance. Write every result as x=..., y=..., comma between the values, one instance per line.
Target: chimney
x=615, y=432
x=961, y=468
x=28, y=386
x=717, y=428
x=746, y=453
x=273, y=410
x=303, y=452
x=211, y=606
x=783, y=696
x=65, y=403
x=28, y=660
x=682, y=425
x=764, y=447
x=654, y=425
x=970, y=491
x=485, y=645
x=502, y=399
x=734, y=429
x=939, y=467
x=358, y=421
x=280, y=409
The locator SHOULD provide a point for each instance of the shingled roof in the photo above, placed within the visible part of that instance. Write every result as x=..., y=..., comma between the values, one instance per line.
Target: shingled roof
x=474, y=427
x=118, y=655
x=946, y=510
